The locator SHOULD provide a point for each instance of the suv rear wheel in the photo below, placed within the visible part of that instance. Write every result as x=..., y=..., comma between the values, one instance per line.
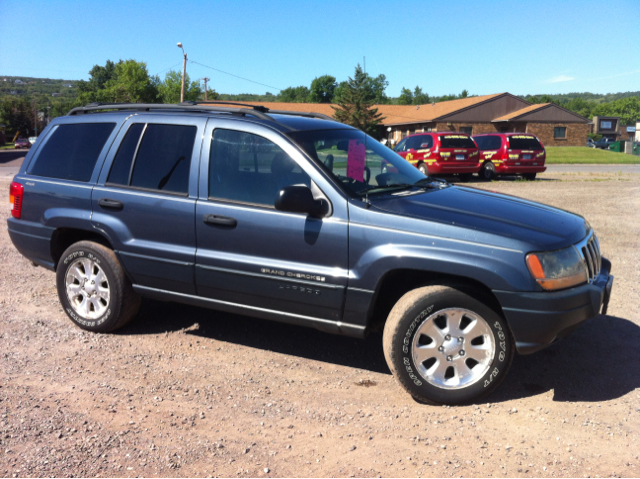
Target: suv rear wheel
x=444, y=346
x=423, y=169
x=93, y=288
x=488, y=171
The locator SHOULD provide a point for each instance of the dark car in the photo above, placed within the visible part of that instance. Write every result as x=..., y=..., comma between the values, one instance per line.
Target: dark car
x=441, y=153
x=510, y=154
x=604, y=143
x=22, y=143
x=297, y=218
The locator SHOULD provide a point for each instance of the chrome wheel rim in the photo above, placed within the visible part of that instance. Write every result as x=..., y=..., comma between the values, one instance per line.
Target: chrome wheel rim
x=87, y=288
x=453, y=348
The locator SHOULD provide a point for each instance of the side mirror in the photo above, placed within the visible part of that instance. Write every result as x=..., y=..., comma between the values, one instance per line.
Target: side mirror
x=299, y=199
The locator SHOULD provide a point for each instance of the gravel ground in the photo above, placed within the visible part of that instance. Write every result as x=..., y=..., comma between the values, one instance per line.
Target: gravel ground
x=190, y=392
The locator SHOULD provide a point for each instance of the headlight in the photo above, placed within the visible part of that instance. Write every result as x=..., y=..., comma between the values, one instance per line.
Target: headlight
x=557, y=269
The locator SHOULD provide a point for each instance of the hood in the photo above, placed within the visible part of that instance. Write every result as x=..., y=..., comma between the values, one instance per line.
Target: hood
x=542, y=226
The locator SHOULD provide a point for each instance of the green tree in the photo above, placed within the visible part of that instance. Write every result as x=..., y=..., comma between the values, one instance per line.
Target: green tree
x=16, y=113
x=169, y=89
x=131, y=83
x=420, y=98
x=377, y=87
x=406, y=97
x=299, y=94
x=355, y=107
x=464, y=94
x=322, y=89
x=628, y=109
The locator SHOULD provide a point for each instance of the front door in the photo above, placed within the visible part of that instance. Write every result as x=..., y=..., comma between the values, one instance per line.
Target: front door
x=252, y=258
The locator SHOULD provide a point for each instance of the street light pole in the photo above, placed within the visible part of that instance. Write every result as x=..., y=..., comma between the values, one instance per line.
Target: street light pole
x=184, y=71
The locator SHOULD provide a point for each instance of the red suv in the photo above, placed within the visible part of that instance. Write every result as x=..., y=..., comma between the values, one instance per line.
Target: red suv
x=444, y=153
x=510, y=153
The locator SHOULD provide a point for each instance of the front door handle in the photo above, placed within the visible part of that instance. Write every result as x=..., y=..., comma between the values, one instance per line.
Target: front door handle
x=220, y=220
x=111, y=204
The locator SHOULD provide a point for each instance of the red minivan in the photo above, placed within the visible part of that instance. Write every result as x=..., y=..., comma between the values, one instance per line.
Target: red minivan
x=510, y=154
x=441, y=153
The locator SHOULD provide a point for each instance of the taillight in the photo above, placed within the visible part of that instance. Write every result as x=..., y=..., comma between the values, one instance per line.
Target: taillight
x=16, y=192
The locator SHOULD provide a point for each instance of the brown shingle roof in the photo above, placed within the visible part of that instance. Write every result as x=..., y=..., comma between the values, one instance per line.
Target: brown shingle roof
x=394, y=114
x=518, y=113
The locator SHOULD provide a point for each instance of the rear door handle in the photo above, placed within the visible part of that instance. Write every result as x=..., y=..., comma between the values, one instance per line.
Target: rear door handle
x=111, y=204
x=220, y=220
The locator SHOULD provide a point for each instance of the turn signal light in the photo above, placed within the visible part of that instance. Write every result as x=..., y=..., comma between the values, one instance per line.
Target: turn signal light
x=16, y=191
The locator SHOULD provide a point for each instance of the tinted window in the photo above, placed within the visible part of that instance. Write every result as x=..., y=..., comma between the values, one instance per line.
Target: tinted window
x=456, y=141
x=488, y=142
x=524, y=143
x=250, y=169
x=416, y=142
x=164, y=158
x=121, y=167
x=71, y=151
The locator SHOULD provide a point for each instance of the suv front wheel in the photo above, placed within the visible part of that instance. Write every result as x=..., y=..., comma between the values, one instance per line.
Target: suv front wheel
x=446, y=347
x=93, y=288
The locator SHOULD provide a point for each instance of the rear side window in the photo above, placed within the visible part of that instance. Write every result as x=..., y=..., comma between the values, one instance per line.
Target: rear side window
x=162, y=158
x=71, y=152
x=456, y=141
x=488, y=142
x=524, y=143
x=416, y=142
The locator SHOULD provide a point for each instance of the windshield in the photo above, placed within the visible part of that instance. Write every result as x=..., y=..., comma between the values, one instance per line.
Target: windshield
x=456, y=141
x=522, y=142
x=356, y=160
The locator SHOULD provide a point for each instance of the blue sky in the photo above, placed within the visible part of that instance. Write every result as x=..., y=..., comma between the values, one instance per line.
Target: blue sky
x=444, y=47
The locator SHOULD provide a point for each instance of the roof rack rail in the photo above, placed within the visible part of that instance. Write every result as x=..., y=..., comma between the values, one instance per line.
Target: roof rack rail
x=258, y=111
x=185, y=106
x=263, y=109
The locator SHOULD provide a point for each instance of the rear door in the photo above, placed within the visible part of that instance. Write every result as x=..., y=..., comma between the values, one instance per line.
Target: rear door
x=252, y=258
x=490, y=147
x=458, y=150
x=525, y=150
x=145, y=199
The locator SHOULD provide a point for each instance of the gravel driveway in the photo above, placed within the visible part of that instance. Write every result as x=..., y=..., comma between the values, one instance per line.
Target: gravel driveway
x=191, y=392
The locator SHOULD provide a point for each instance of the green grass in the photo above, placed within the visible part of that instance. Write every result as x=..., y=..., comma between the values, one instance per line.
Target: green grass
x=7, y=147
x=582, y=154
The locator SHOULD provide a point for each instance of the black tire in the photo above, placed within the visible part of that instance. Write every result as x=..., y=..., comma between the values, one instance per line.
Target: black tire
x=121, y=304
x=529, y=176
x=465, y=177
x=488, y=171
x=424, y=308
x=423, y=169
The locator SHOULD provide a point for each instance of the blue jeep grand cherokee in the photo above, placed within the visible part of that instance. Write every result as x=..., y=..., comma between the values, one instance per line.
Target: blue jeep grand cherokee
x=301, y=219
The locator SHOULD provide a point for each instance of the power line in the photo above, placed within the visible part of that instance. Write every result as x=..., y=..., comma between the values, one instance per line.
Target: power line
x=236, y=76
x=168, y=68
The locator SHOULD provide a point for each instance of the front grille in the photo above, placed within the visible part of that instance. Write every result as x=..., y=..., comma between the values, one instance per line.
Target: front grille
x=590, y=251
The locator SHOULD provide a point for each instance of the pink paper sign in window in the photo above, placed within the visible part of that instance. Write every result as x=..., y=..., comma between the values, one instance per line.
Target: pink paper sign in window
x=356, y=157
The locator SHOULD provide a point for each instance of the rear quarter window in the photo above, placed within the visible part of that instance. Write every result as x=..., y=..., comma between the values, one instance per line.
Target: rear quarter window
x=488, y=142
x=71, y=151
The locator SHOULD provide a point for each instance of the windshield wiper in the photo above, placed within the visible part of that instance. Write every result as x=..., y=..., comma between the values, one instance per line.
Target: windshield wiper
x=430, y=180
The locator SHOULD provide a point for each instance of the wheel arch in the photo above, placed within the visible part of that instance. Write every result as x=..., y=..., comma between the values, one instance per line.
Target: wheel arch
x=62, y=238
x=394, y=284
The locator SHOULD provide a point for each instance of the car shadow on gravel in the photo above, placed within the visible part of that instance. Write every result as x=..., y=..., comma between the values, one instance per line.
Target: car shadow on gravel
x=157, y=317
x=600, y=361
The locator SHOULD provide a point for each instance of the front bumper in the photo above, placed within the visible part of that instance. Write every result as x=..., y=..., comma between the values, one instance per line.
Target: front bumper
x=538, y=319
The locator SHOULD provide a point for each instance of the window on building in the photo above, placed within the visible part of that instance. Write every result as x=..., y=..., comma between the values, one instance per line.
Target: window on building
x=605, y=125
x=466, y=129
x=250, y=169
x=560, y=132
x=164, y=158
x=71, y=151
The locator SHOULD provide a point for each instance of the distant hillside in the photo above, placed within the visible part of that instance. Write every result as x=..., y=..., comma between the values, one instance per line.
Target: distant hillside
x=595, y=97
x=28, y=86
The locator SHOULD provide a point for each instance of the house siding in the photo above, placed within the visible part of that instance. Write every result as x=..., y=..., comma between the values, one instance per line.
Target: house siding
x=576, y=133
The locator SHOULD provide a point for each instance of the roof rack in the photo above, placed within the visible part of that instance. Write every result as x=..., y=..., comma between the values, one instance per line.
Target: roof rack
x=258, y=111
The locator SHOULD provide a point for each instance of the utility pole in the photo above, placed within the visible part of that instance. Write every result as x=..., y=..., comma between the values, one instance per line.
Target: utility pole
x=184, y=71
x=205, y=87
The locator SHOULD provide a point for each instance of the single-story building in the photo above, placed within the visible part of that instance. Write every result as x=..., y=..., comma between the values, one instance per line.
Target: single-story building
x=501, y=112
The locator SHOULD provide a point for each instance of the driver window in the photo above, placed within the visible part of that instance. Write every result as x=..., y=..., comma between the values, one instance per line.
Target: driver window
x=250, y=169
x=401, y=145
